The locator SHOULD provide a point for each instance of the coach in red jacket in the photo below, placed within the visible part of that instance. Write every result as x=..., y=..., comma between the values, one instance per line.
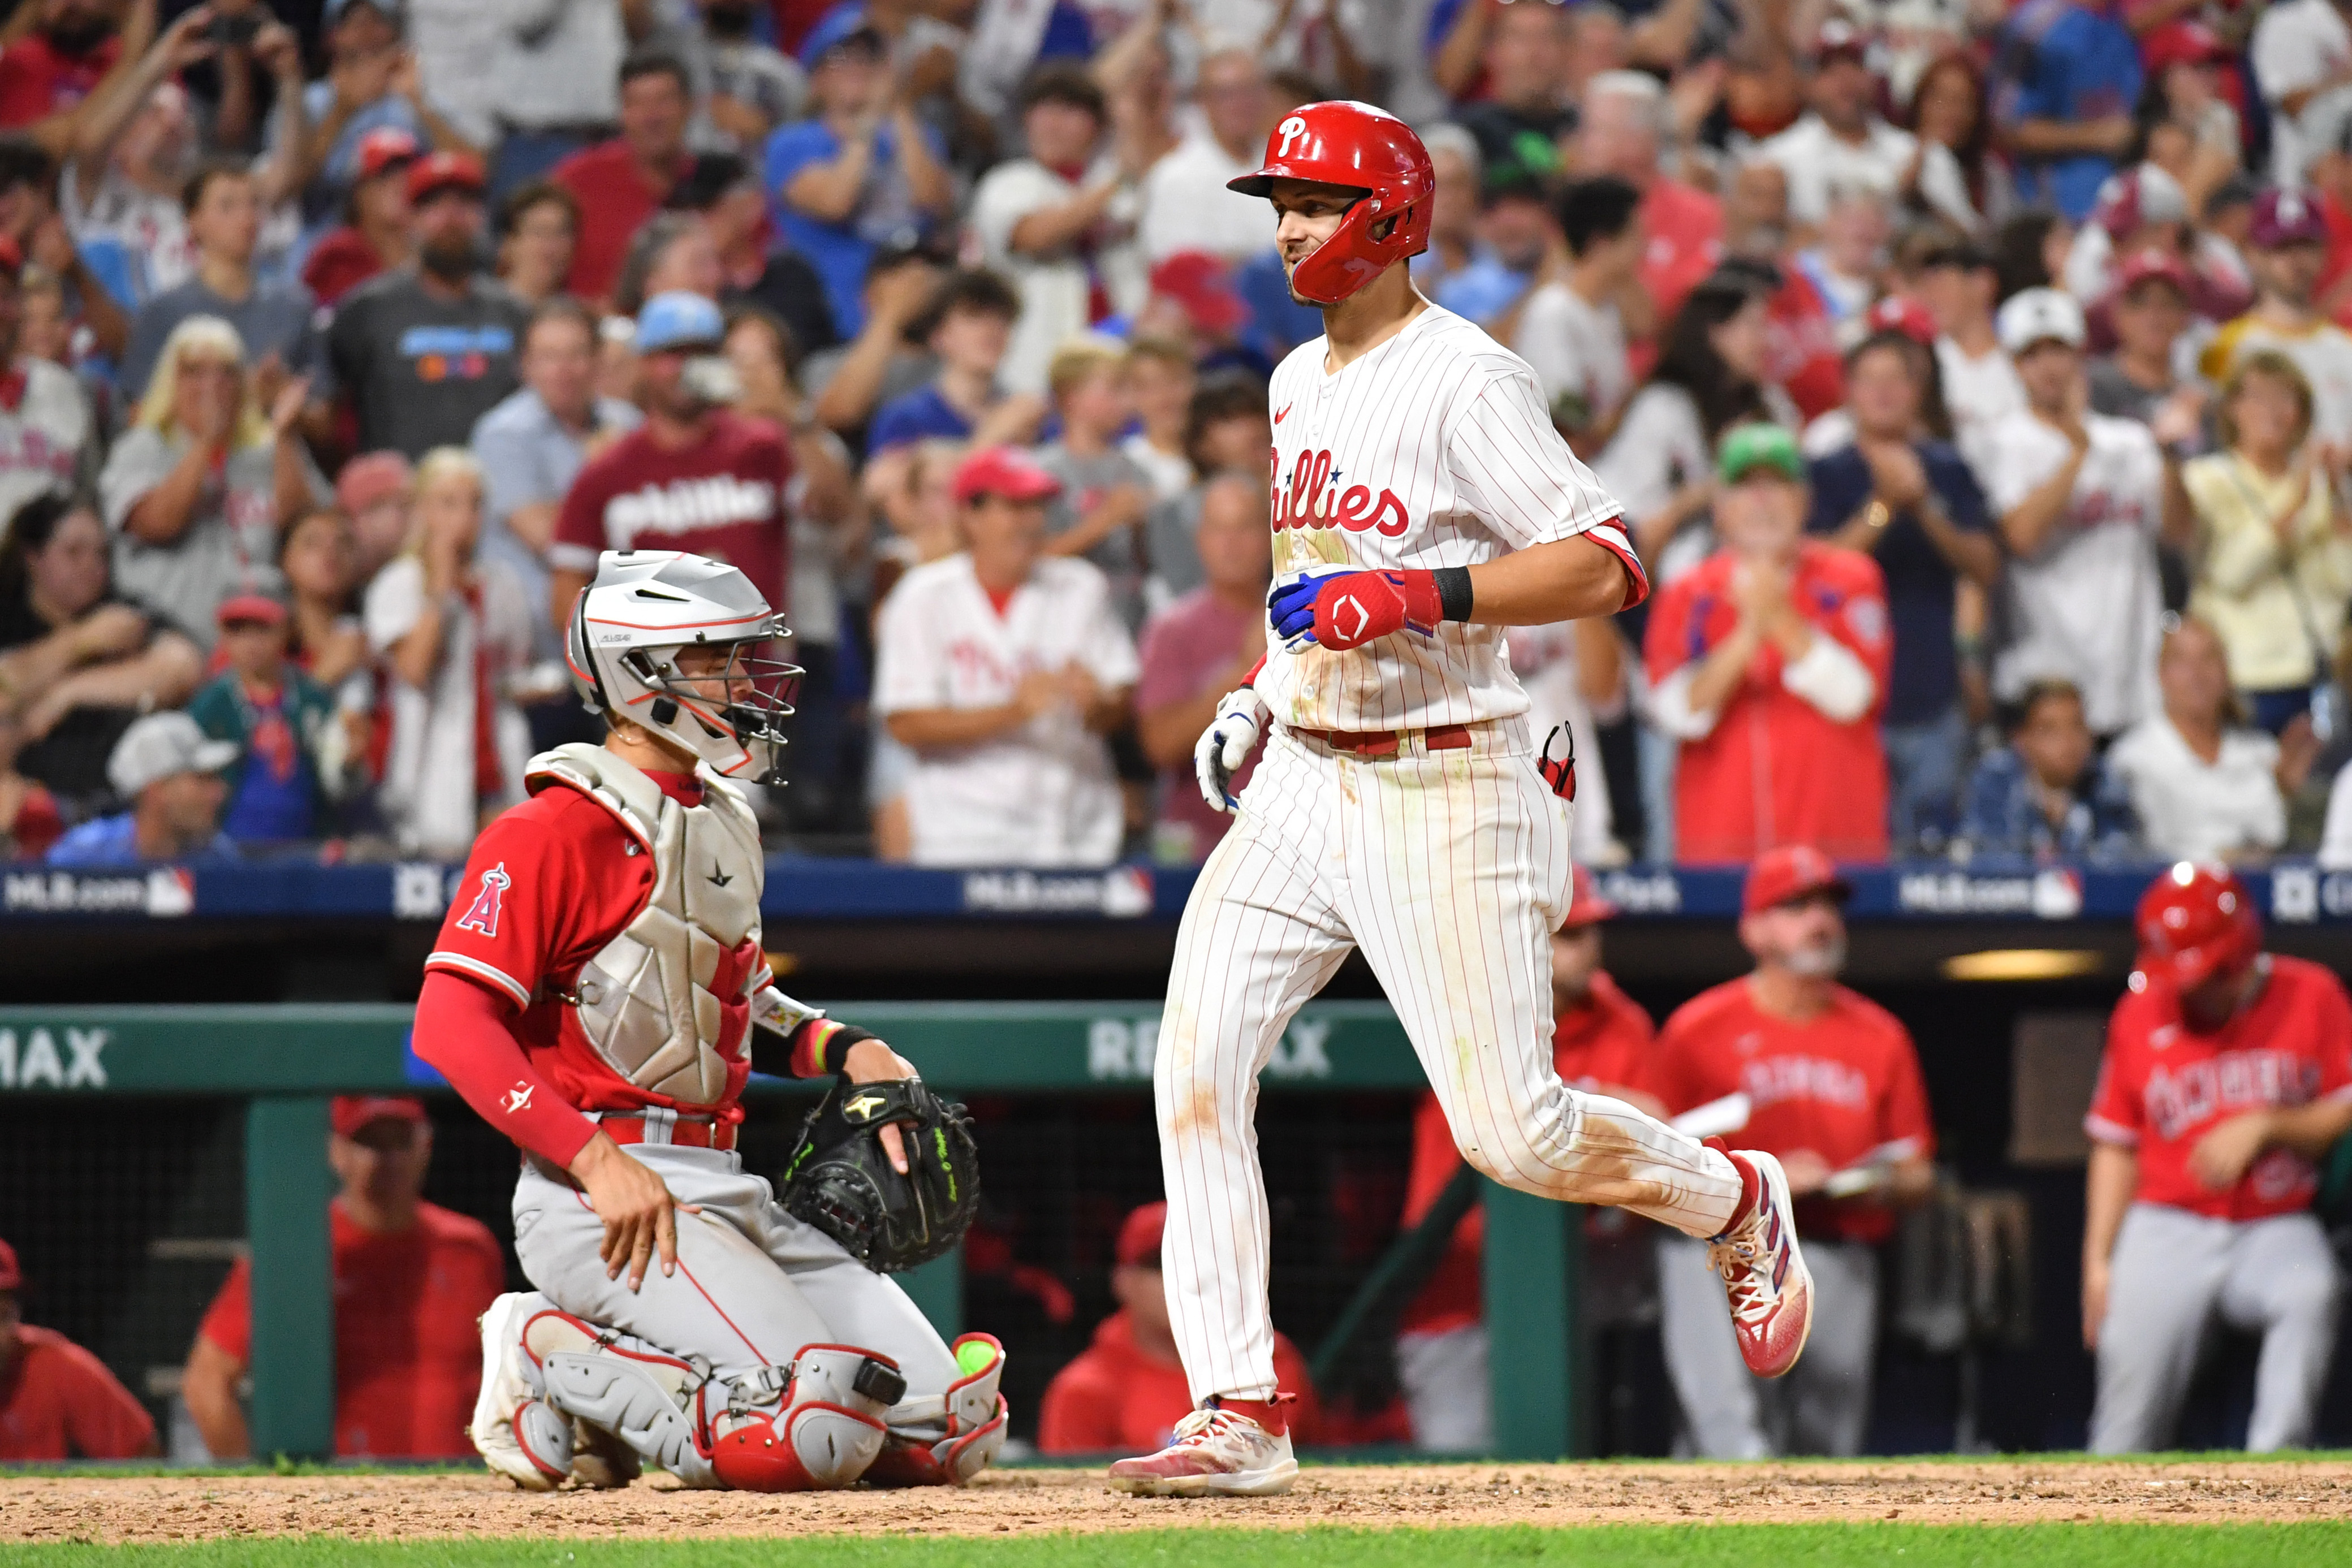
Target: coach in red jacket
x=1769, y=663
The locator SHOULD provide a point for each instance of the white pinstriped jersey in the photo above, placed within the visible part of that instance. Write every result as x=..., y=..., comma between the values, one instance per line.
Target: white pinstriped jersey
x=1434, y=450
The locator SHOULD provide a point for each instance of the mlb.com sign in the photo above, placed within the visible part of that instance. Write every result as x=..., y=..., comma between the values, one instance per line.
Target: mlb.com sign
x=1120, y=1051
x=53, y=1059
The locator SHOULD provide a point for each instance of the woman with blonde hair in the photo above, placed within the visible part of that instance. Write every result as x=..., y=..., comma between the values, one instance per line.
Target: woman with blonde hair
x=2274, y=548
x=453, y=634
x=195, y=492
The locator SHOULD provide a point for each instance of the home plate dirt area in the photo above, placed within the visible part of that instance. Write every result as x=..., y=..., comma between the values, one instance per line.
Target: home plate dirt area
x=422, y=1506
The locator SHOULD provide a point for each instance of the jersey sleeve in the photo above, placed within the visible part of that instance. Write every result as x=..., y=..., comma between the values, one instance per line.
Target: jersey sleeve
x=228, y=1322
x=909, y=674
x=1667, y=643
x=1861, y=624
x=1110, y=650
x=514, y=906
x=1902, y=1116
x=1513, y=471
x=2115, y=1115
x=104, y=1420
x=2334, y=1045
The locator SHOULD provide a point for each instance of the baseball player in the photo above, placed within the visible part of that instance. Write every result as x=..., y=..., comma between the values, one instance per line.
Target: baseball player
x=2228, y=1071
x=1422, y=502
x=592, y=995
x=1833, y=1089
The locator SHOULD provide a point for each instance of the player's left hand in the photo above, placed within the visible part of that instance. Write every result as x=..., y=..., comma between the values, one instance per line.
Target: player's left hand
x=2223, y=1155
x=871, y=1062
x=1346, y=610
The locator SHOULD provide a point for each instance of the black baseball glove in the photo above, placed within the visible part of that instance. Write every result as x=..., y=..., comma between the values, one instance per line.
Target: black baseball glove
x=840, y=1179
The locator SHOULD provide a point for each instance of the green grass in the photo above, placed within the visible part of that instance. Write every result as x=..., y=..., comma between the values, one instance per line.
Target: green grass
x=1600, y=1546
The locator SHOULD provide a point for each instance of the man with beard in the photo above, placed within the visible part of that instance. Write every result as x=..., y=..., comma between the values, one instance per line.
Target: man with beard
x=47, y=74
x=425, y=352
x=1835, y=1092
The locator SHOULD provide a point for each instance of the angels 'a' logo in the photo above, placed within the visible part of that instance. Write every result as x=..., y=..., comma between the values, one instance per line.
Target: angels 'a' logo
x=482, y=914
x=1292, y=129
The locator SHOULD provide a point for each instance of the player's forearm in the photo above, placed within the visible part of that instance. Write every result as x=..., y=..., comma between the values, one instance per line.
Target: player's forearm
x=2109, y=1186
x=461, y=1030
x=2309, y=1130
x=1564, y=579
x=208, y=1385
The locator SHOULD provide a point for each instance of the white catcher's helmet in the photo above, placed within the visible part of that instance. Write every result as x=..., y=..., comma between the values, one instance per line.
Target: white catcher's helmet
x=621, y=646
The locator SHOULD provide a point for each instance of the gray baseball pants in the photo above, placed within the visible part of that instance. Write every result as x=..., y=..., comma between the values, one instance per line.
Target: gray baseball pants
x=1821, y=1407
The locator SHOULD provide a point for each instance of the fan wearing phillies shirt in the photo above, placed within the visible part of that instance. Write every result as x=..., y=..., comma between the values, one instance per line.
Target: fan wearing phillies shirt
x=592, y=995
x=2228, y=1074
x=696, y=477
x=1422, y=502
x=1833, y=1089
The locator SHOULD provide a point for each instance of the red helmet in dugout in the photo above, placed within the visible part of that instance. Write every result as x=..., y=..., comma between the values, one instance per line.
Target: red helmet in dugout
x=1363, y=148
x=2196, y=921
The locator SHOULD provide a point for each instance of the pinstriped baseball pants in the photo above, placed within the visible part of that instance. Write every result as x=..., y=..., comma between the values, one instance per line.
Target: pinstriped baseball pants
x=1450, y=869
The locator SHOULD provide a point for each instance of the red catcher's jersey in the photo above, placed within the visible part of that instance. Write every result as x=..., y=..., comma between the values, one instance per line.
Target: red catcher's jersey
x=550, y=883
x=2162, y=1087
x=1605, y=1042
x=1842, y=1085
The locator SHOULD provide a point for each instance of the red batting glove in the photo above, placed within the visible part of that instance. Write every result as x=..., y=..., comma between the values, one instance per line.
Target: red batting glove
x=1356, y=607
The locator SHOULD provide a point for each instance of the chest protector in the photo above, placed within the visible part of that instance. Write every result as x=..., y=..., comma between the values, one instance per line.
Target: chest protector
x=666, y=1003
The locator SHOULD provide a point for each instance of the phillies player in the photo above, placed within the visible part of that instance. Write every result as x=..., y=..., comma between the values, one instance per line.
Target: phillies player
x=1422, y=502
x=2228, y=1071
x=1833, y=1089
x=591, y=995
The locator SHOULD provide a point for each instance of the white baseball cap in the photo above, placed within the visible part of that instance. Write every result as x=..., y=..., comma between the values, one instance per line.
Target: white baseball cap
x=2039, y=315
x=160, y=745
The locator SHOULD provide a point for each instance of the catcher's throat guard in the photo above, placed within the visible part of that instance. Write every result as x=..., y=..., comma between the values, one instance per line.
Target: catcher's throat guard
x=840, y=1180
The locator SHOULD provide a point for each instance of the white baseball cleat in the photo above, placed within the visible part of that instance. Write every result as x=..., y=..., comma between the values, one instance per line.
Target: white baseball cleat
x=507, y=1450
x=1764, y=1273
x=1217, y=1453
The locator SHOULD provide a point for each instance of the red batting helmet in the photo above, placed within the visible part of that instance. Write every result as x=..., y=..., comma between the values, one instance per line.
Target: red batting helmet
x=2196, y=921
x=1364, y=149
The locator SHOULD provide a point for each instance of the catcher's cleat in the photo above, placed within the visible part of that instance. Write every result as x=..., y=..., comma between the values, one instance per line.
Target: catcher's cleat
x=1219, y=1451
x=1764, y=1273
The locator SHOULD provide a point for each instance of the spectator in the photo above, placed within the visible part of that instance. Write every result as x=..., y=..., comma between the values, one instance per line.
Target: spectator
x=372, y=81
x=58, y=1401
x=424, y=352
x=1514, y=238
x=1186, y=206
x=967, y=326
x=2082, y=500
x=751, y=89
x=2141, y=380
x=1194, y=652
x=673, y=253
x=272, y=321
x=411, y=1278
x=1958, y=285
x=1098, y=509
x=885, y=360
x=170, y=773
x=2224, y=1080
x=539, y=230
x=1159, y=382
x=46, y=444
x=319, y=557
x=723, y=193
x=30, y=820
x=696, y=475
x=1527, y=109
x=618, y=184
x=1455, y=165
x=1601, y=1044
x=1226, y=430
x=2301, y=56
x=1060, y=223
x=1909, y=501
x=2275, y=566
x=1845, y=268
x=1572, y=330
x=377, y=234
x=2290, y=249
x=1769, y=664
x=2192, y=128
x=863, y=173
x=2045, y=796
x=1625, y=114
x=2203, y=787
x=50, y=70
x=289, y=744
x=2074, y=76
x=78, y=661
x=1835, y=1092
x=1002, y=668
x=1841, y=143
x=454, y=631
x=1127, y=1390
x=1958, y=176
x=2142, y=208
x=375, y=491
x=197, y=488
x=554, y=71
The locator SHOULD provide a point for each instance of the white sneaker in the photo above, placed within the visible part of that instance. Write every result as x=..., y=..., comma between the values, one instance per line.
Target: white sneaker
x=1217, y=1453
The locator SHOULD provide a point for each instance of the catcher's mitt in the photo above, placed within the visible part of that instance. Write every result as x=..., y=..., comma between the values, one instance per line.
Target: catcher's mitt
x=839, y=1179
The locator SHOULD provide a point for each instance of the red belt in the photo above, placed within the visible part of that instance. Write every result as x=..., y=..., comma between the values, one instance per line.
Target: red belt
x=1389, y=742
x=701, y=1132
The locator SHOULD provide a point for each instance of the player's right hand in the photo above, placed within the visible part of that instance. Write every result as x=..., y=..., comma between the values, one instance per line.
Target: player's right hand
x=1226, y=744
x=639, y=1214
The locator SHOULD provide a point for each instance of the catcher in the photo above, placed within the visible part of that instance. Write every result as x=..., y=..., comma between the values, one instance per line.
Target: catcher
x=594, y=993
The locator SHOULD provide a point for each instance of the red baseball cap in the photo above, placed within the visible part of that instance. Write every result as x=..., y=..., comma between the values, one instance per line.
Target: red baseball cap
x=2284, y=219
x=2181, y=43
x=1138, y=1237
x=444, y=169
x=349, y=1113
x=1202, y=286
x=1585, y=905
x=370, y=477
x=13, y=1277
x=2143, y=265
x=386, y=147
x=1901, y=313
x=239, y=608
x=1789, y=873
x=1003, y=471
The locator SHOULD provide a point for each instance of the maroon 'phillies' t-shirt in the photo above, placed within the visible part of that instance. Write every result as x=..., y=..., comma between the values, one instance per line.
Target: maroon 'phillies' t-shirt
x=722, y=498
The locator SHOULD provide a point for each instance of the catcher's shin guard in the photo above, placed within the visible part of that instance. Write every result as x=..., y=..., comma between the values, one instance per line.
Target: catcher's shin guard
x=971, y=1413
x=650, y=1400
x=826, y=1435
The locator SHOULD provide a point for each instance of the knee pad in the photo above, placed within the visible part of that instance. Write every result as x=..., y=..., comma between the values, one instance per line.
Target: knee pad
x=650, y=1400
x=828, y=1431
x=971, y=1414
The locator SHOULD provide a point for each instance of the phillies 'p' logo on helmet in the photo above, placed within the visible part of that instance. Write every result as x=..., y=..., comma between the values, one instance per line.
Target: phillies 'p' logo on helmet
x=1363, y=148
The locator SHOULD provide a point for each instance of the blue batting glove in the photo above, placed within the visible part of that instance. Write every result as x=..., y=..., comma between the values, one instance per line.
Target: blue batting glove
x=1290, y=606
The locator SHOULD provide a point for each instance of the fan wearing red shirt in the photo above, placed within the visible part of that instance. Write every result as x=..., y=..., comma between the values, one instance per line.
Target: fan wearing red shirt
x=2228, y=1072
x=410, y=1280
x=696, y=477
x=45, y=75
x=621, y=183
x=1769, y=663
x=1833, y=1089
x=57, y=1400
x=1127, y=1390
x=1600, y=1045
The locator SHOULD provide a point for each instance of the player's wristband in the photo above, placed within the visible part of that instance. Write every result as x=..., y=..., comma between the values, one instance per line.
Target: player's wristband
x=822, y=1044
x=1453, y=593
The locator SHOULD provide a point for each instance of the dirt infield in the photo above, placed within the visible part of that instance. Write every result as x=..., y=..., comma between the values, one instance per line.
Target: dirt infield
x=413, y=1507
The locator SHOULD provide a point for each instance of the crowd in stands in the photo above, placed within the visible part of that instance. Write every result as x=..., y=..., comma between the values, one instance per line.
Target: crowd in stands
x=1974, y=379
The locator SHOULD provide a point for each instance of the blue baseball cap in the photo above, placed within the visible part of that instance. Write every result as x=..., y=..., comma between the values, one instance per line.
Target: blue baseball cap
x=678, y=320
x=834, y=28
